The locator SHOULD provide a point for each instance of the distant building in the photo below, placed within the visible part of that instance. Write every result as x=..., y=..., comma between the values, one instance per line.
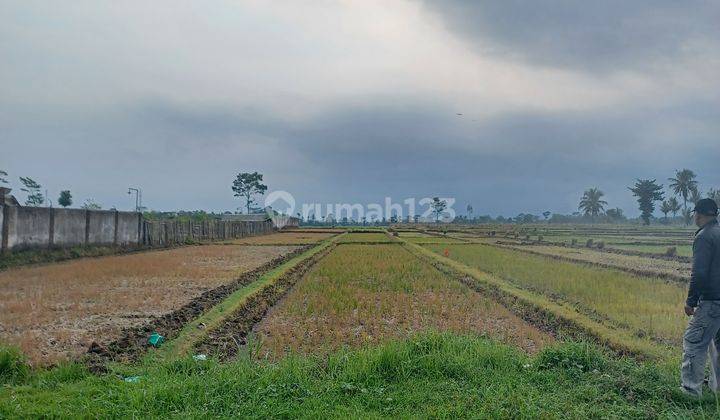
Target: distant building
x=257, y=217
x=6, y=199
x=280, y=221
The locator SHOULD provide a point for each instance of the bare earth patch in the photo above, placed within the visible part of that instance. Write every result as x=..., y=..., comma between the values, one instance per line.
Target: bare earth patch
x=55, y=312
x=364, y=294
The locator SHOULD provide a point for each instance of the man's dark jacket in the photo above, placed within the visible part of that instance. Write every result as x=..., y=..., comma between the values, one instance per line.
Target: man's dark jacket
x=705, y=278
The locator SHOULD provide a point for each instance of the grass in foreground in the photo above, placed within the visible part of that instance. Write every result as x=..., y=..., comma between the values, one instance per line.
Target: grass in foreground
x=647, y=306
x=429, y=375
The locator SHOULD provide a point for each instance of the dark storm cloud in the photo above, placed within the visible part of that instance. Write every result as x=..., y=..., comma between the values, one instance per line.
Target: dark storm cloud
x=522, y=161
x=365, y=112
x=589, y=35
x=534, y=160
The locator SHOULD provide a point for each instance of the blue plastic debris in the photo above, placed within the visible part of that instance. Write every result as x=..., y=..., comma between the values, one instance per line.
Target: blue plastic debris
x=156, y=339
x=132, y=379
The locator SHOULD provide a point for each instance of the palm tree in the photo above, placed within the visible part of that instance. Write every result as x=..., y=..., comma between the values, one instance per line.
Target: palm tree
x=714, y=194
x=666, y=208
x=592, y=203
x=674, y=206
x=695, y=196
x=683, y=184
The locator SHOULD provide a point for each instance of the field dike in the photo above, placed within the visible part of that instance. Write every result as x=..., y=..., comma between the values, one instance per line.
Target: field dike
x=556, y=318
x=638, y=272
x=134, y=341
x=225, y=340
x=608, y=248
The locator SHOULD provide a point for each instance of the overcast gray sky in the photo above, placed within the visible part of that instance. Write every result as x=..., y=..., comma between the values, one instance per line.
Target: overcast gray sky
x=352, y=101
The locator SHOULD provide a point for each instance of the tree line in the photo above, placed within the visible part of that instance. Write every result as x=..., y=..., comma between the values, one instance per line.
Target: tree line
x=683, y=186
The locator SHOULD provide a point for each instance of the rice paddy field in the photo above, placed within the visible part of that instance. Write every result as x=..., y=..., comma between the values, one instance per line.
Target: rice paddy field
x=366, y=294
x=489, y=321
x=55, y=312
x=285, y=238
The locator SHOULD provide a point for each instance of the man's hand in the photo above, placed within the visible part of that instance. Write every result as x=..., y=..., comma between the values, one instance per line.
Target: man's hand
x=689, y=310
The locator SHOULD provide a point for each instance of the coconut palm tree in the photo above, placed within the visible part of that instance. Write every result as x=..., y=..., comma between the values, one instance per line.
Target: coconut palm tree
x=666, y=208
x=695, y=196
x=674, y=206
x=714, y=194
x=591, y=203
x=683, y=184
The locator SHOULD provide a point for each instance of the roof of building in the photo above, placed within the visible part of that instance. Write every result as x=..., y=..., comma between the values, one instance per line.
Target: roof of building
x=6, y=198
x=258, y=217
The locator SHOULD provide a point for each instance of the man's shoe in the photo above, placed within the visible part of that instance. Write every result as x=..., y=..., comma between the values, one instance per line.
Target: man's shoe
x=690, y=393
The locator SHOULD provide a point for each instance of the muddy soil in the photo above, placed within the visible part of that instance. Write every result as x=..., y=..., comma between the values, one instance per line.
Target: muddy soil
x=134, y=341
x=229, y=338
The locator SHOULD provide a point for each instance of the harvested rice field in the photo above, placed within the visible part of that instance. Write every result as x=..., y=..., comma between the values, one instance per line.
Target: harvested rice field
x=366, y=237
x=651, y=267
x=363, y=295
x=361, y=323
x=54, y=312
x=646, y=306
x=429, y=239
x=285, y=238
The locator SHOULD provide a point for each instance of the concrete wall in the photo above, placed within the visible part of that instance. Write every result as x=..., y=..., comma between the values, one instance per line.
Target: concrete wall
x=69, y=227
x=101, y=227
x=163, y=233
x=28, y=227
x=2, y=227
x=127, y=228
x=42, y=227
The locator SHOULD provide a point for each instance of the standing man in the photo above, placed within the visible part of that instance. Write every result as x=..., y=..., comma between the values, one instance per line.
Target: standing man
x=703, y=302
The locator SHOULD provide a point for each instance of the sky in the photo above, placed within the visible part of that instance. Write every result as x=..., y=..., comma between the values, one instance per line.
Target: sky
x=506, y=105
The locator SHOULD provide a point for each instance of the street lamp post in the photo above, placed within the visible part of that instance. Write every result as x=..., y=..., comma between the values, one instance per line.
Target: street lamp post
x=138, y=197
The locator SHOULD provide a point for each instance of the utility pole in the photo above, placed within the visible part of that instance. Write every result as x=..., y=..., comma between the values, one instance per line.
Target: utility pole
x=138, y=197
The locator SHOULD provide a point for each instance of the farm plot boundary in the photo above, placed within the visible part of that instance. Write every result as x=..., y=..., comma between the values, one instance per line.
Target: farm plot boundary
x=226, y=340
x=558, y=317
x=134, y=341
x=635, y=271
x=362, y=295
x=245, y=303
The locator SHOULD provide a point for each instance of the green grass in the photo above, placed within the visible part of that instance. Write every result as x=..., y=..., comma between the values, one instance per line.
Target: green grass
x=430, y=375
x=42, y=256
x=645, y=305
x=368, y=237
